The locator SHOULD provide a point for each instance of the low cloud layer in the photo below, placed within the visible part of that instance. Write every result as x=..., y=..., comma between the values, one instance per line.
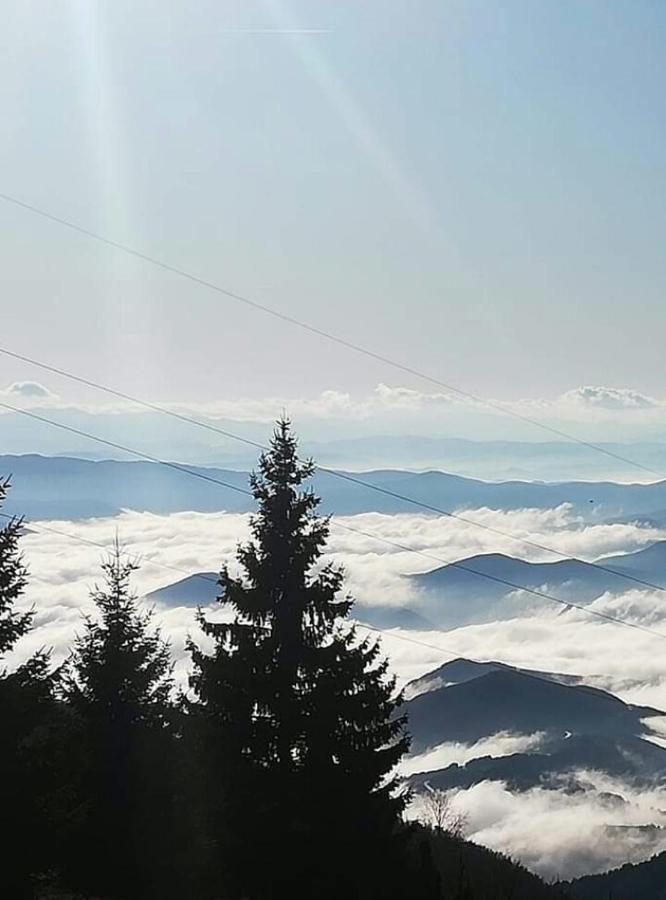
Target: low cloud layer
x=542, y=828
x=541, y=635
x=501, y=744
x=565, y=835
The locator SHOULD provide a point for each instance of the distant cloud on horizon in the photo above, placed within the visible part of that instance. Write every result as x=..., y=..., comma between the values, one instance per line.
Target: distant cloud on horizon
x=402, y=426
x=610, y=398
x=30, y=390
x=383, y=399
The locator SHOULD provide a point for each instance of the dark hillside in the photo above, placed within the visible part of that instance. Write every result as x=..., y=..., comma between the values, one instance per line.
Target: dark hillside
x=643, y=881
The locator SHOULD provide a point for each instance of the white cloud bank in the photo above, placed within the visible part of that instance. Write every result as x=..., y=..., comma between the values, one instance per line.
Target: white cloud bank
x=597, y=401
x=503, y=743
x=552, y=832
x=543, y=637
x=565, y=835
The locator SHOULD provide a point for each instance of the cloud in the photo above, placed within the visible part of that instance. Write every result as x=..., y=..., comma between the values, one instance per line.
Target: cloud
x=28, y=390
x=562, y=834
x=402, y=398
x=397, y=424
x=609, y=398
x=418, y=403
x=543, y=828
x=501, y=744
x=384, y=398
x=172, y=546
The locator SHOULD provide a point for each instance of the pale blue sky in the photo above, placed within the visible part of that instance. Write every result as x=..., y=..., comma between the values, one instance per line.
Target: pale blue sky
x=474, y=188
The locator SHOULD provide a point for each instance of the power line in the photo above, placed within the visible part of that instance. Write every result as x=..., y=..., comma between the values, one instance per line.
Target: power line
x=383, y=631
x=155, y=407
x=327, y=335
x=78, y=539
x=568, y=604
x=182, y=469
x=497, y=531
x=39, y=527
x=147, y=456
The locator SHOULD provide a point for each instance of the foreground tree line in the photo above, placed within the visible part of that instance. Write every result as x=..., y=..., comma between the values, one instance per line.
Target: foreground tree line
x=271, y=778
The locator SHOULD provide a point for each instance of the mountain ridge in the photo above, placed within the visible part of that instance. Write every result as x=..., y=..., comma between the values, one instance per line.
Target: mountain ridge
x=518, y=702
x=61, y=484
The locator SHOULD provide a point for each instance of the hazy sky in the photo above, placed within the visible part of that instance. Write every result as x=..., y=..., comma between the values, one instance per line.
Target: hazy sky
x=475, y=188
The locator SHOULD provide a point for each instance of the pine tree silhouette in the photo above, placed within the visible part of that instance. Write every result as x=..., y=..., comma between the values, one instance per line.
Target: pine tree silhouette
x=13, y=579
x=26, y=715
x=298, y=710
x=117, y=684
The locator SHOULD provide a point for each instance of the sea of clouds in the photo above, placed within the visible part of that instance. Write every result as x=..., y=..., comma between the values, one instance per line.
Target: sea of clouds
x=542, y=828
x=565, y=835
x=64, y=558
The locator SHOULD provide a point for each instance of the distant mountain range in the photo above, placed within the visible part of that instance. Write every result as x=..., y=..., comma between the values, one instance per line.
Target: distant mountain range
x=67, y=487
x=583, y=728
x=451, y=596
x=460, y=671
x=201, y=589
x=557, y=764
x=339, y=443
x=517, y=701
x=455, y=595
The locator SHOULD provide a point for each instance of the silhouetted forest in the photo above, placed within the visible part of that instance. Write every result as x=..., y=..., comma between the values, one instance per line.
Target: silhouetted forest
x=270, y=777
x=642, y=881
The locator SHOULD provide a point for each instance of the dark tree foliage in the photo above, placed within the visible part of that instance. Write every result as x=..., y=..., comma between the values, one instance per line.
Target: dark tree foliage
x=470, y=872
x=298, y=712
x=637, y=881
x=117, y=685
x=274, y=781
x=13, y=579
x=27, y=717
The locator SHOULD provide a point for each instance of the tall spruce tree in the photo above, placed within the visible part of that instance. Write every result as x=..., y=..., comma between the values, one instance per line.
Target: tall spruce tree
x=299, y=711
x=117, y=684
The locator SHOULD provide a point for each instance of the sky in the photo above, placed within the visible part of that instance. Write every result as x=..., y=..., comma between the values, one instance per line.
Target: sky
x=474, y=189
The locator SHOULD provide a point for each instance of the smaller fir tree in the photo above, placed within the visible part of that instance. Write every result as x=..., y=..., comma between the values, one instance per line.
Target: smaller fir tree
x=117, y=684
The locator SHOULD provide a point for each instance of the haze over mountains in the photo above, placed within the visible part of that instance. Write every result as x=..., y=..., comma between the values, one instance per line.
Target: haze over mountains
x=343, y=441
x=201, y=589
x=455, y=594
x=480, y=588
x=76, y=488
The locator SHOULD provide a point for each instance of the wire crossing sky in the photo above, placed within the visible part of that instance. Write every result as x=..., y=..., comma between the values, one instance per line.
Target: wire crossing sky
x=333, y=338
x=346, y=476
x=543, y=595
x=482, y=186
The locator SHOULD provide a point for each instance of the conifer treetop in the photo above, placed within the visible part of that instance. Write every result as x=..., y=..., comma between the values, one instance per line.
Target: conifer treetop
x=312, y=692
x=120, y=661
x=13, y=579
